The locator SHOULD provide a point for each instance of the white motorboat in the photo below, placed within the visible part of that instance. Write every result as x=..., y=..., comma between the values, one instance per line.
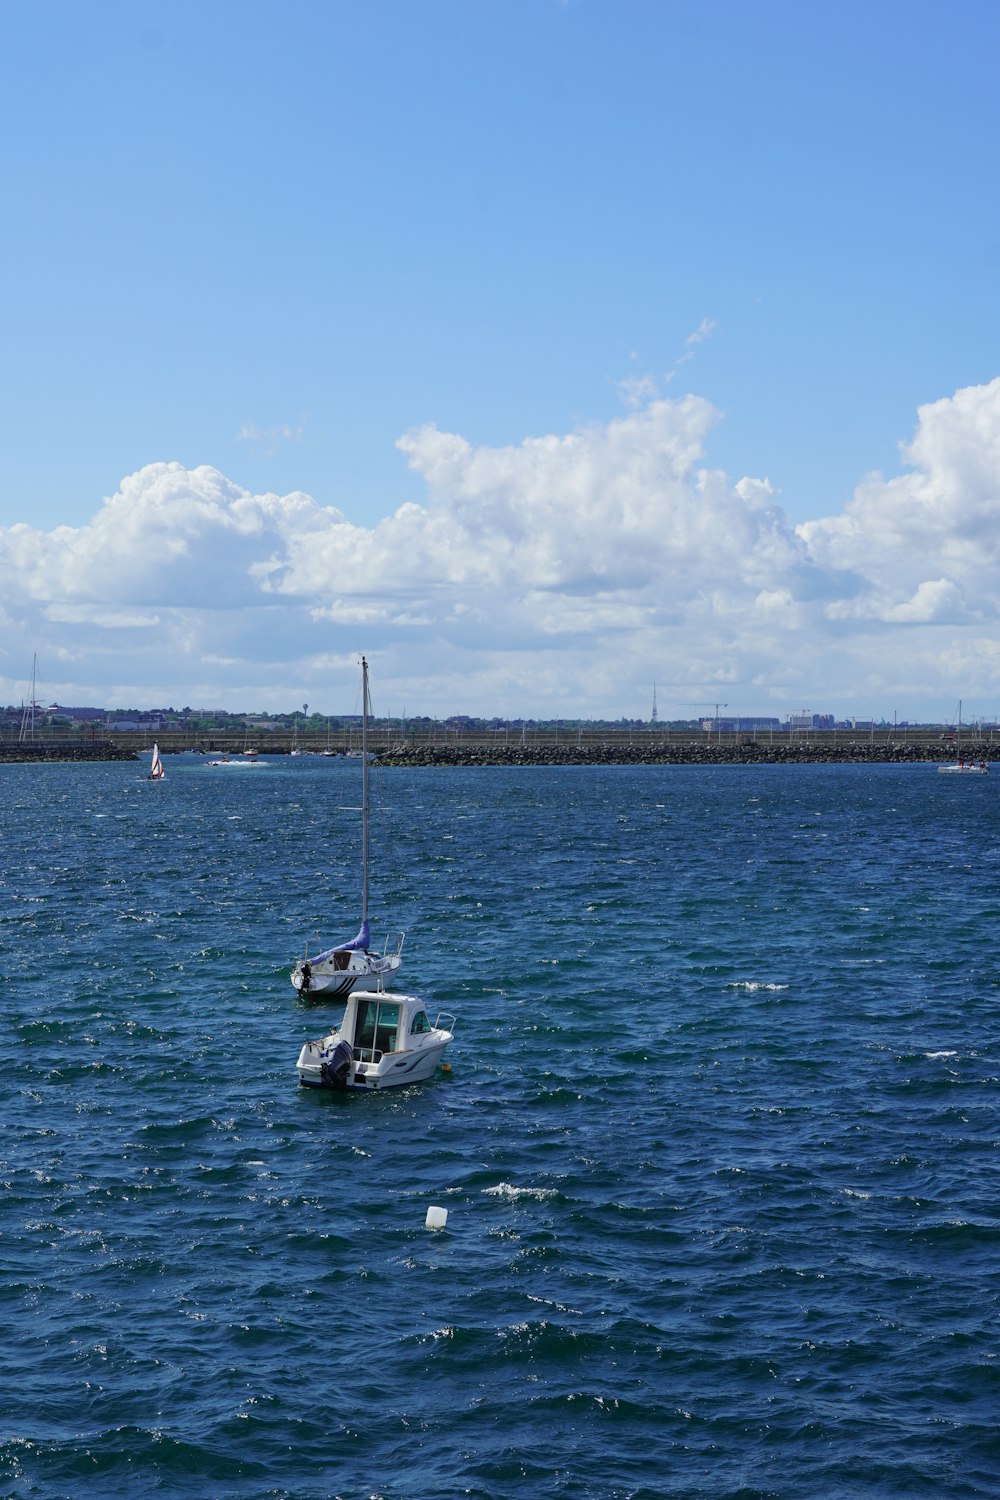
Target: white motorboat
x=336, y=971
x=382, y=1042
x=252, y=764
x=961, y=766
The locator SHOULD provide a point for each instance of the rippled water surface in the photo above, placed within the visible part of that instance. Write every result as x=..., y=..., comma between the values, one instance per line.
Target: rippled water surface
x=719, y=1146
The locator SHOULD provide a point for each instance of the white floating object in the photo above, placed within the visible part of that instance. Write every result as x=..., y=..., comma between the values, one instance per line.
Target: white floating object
x=437, y=1218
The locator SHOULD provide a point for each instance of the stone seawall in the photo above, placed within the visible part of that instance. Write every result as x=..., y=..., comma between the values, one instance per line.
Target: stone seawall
x=39, y=750
x=748, y=754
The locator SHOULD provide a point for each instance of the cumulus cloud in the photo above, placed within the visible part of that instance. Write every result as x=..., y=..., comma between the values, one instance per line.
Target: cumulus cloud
x=561, y=540
x=170, y=533
x=926, y=544
x=560, y=575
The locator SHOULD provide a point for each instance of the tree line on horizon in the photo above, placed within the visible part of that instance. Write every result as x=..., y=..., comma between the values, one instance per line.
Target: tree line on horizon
x=298, y=720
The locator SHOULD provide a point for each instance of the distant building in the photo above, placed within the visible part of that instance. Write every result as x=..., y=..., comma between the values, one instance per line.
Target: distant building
x=741, y=724
x=78, y=715
x=807, y=720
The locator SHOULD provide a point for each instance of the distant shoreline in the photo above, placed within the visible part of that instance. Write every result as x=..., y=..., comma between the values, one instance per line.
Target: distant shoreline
x=657, y=753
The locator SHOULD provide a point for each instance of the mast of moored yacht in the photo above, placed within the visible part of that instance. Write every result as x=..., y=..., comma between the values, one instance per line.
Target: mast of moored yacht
x=28, y=709
x=364, y=791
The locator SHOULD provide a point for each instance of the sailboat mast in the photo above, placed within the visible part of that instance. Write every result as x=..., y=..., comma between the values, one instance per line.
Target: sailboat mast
x=28, y=712
x=364, y=790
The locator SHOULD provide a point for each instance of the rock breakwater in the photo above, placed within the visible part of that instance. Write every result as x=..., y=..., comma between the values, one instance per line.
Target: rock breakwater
x=749, y=753
x=52, y=750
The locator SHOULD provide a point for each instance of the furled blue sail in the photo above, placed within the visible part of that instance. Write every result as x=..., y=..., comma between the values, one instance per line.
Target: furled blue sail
x=359, y=943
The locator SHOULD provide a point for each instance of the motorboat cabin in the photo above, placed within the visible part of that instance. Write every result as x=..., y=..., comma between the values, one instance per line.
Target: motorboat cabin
x=383, y=1041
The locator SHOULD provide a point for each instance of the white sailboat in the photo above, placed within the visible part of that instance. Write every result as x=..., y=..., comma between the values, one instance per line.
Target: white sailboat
x=156, y=771
x=336, y=971
x=960, y=766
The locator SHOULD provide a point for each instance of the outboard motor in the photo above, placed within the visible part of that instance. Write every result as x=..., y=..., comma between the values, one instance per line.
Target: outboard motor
x=307, y=975
x=334, y=1073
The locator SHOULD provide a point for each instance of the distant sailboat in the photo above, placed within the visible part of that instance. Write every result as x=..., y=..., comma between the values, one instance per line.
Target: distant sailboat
x=336, y=971
x=960, y=766
x=156, y=771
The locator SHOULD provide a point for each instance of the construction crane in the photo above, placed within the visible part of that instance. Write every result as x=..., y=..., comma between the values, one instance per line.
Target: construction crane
x=708, y=705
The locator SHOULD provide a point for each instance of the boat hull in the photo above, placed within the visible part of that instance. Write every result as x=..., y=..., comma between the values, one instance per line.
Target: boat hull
x=393, y=1070
x=330, y=982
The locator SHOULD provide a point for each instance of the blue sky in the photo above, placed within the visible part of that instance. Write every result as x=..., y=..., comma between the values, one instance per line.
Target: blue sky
x=269, y=243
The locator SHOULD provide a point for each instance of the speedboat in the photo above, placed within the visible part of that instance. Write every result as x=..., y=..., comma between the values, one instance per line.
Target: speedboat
x=225, y=760
x=382, y=1042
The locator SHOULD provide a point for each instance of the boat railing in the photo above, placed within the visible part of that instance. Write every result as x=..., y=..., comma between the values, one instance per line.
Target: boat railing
x=368, y=1054
x=388, y=951
x=444, y=1020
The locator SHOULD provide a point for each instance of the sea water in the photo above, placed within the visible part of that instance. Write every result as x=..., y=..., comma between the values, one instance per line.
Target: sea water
x=719, y=1146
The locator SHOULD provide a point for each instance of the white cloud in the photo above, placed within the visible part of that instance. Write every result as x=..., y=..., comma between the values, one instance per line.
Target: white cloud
x=270, y=437
x=94, y=614
x=933, y=600
x=704, y=331
x=635, y=390
x=172, y=534
x=563, y=574
x=926, y=544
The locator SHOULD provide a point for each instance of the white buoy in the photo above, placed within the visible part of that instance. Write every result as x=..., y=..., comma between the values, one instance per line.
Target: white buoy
x=437, y=1218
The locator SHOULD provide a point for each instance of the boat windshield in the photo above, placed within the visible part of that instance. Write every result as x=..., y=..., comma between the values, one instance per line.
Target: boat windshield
x=377, y=1026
